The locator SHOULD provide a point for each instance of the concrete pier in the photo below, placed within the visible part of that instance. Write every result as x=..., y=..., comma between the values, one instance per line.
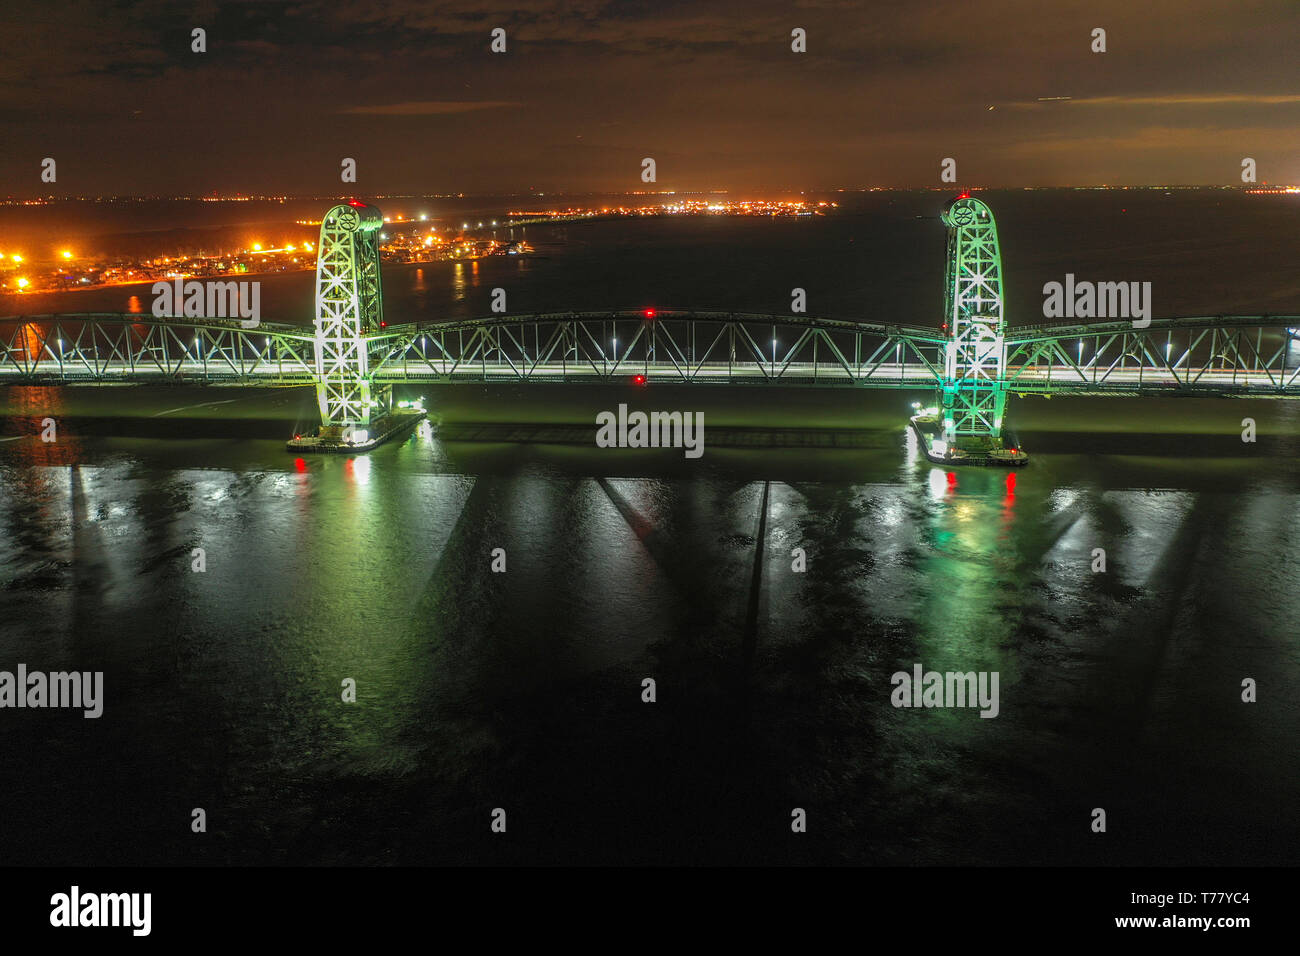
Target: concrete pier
x=334, y=441
x=975, y=451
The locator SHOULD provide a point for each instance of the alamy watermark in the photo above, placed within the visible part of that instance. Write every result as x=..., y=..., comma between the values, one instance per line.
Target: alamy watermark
x=209, y=300
x=949, y=689
x=1098, y=300
x=654, y=430
x=81, y=690
x=74, y=908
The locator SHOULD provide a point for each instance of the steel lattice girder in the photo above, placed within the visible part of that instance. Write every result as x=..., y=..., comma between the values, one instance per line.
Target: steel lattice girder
x=676, y=346
x=349, y=307
x=116, y=347
x=1220, y=354
x=1206, y=354
x=973, y=393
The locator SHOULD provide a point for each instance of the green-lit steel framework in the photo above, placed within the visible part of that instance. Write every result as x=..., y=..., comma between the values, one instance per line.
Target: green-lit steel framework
x=349, y=309
x=973, y=390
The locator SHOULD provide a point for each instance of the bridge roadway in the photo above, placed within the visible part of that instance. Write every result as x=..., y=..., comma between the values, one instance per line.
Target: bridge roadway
x=1202, y=354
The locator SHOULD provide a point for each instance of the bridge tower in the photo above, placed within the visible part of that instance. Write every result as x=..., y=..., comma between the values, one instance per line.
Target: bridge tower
x=349, y=306
x=973, y=390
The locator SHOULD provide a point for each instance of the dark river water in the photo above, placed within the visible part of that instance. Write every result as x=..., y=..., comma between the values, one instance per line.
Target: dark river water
x=522, y=690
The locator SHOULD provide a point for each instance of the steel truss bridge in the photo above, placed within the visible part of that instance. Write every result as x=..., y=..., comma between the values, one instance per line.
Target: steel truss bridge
x=1229, y=354
x=973, y=360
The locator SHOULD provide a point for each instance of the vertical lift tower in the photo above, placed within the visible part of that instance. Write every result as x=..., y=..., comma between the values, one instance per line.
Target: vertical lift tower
x=967, y=425
x=356, y=413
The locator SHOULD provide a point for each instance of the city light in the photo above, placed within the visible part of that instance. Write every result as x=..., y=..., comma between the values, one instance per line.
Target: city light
x=67, y=254
x=16, y=257
x=681, y=207
x=257, y=247
x=22, y=283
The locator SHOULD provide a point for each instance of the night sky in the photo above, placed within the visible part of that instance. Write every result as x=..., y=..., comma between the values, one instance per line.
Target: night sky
x=711, y=91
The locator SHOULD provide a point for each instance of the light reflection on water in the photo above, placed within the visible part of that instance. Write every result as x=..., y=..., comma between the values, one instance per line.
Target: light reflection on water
x=478, y=689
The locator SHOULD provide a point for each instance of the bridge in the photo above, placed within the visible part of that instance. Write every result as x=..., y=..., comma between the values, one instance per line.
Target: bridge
x=973, y=361
x=1217, y=355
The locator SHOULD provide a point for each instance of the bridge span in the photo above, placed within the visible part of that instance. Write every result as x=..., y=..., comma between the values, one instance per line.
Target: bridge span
x=1208, y=355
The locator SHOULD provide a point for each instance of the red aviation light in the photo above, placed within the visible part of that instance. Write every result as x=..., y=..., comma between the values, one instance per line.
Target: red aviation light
x=355, y=202
x=638, y=379
x=649, y=313
x=965, y=194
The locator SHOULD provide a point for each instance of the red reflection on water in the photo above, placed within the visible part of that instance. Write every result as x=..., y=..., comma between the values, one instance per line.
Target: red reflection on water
x=1009, y=501
x=38, y=429
x=133, y=304
x=300, y=464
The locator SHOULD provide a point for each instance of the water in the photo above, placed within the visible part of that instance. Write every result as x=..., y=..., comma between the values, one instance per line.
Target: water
x=523, y=690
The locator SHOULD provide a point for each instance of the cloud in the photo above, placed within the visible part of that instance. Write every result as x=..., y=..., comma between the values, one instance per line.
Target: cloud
x=1234, y=99
x=1165, y=139
x=429, y=108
